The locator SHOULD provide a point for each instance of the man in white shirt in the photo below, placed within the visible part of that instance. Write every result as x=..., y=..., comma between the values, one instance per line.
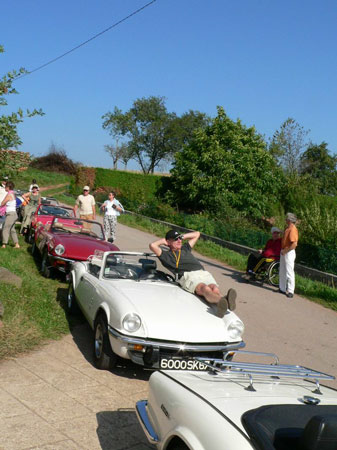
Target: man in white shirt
x=85, y=203
x=3, y=192
x=112, y=209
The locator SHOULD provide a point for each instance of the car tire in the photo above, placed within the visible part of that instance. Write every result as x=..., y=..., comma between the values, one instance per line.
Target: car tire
x=72, y=305
x=45, y=270
x=33, y=248
x=179, y=446
x=104, y=358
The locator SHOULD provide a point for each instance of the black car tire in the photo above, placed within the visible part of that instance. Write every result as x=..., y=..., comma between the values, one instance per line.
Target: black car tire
x=72, y=305
x=33, y=248
x=179, y=446
x=104, y=357
x=45, y=270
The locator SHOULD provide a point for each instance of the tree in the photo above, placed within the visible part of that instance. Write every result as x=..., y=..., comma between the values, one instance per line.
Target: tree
x=118, y=152
x=8, y=123
x=317, y=163
x=288, y=144
x=226, y=164
x=154, y=134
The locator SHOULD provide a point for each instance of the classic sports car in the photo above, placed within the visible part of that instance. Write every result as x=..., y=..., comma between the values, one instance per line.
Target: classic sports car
x=67, y=240
x=44, y=215
x=140, y=313
x=49, y=201
x=240, y=406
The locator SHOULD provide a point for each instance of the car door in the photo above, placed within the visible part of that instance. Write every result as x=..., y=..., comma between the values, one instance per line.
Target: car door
x=86, y=295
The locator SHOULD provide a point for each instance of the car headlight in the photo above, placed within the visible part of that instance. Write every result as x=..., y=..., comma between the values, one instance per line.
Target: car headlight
x=59, y=249
x=236, y=329
x=131, y=322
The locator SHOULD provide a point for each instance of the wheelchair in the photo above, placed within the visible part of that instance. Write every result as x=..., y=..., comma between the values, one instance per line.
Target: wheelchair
x=266, y=271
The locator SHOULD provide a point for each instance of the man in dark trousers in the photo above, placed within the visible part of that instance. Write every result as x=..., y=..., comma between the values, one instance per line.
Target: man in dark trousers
x=190, y=273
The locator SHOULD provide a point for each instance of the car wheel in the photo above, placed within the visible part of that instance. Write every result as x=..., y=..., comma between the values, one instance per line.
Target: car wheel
x=33, y=249
x=179, y=446
x=45, y=269
x=104, y=357
x=273, y=273
x=72, y=305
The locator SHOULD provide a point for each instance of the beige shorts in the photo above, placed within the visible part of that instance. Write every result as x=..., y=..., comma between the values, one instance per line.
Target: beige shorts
x=190, y=280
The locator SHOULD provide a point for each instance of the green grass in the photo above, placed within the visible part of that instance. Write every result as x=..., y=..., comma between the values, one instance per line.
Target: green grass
x=23, y=179
x=35, y=312
x=312, y=290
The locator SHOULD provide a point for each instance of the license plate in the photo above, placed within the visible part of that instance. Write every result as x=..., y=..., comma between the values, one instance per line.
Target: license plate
x=182, y=364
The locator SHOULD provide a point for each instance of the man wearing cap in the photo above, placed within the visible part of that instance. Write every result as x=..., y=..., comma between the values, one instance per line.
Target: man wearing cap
x=190, y=273
x=271, y=250
x=288, y=256
x=85, y=203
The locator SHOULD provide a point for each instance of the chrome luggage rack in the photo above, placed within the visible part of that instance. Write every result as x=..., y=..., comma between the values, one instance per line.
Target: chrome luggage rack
x=274, y=370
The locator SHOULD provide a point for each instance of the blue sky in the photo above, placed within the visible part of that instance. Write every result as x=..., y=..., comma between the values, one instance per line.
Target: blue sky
x=263, y=61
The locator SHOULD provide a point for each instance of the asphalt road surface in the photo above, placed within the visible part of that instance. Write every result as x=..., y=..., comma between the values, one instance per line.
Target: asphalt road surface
x=53, y=398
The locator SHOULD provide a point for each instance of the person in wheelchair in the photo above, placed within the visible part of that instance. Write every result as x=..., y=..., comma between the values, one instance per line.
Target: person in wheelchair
x=271, y=250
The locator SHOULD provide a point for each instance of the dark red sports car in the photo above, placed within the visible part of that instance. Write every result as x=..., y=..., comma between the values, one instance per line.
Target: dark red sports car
x=44, y=215
x=66, y=240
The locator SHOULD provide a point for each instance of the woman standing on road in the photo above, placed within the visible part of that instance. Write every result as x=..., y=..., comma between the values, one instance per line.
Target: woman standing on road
x=11, y=216
x=112, y=209
x=34, y=199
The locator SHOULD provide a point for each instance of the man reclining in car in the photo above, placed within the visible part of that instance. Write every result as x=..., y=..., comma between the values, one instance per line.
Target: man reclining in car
x=190, y=273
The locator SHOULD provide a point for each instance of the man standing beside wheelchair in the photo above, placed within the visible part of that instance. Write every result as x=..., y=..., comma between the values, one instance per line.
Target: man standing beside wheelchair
x=271, y=252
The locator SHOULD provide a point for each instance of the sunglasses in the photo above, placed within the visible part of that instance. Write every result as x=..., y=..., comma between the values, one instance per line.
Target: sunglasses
x=178, y=238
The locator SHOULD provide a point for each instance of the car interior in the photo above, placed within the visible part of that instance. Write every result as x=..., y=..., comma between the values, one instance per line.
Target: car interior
x=143, y=269
x=292, y=427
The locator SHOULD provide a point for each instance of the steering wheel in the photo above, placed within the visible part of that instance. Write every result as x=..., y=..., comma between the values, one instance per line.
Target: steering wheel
x=166, y=276
x=131, y=274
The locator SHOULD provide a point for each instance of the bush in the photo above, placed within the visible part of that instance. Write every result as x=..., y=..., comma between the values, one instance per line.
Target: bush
x=12, y=161
x=85, y=176
x=55, y=161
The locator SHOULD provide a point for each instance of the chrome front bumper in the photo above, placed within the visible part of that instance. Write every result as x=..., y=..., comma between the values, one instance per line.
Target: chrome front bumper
x=145, y=422
x=175, y=346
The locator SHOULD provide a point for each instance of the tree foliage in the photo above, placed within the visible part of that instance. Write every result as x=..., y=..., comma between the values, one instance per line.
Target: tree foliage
x=8, y=123
x=287, y=145
x=317, y=163
x=226, y=164
x=153, y=135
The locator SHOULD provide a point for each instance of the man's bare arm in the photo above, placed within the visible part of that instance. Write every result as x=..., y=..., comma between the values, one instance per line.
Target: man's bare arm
x=192, y=237
x=155, y=246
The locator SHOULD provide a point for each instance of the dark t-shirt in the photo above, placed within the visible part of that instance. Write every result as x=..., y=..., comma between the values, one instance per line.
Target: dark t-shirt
x=187, y=262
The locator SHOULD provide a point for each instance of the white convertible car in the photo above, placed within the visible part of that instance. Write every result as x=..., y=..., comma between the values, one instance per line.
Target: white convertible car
x=240, y=406
x=140, y=313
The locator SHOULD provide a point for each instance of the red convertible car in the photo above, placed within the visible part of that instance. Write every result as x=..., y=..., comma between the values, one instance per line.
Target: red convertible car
x=66, y=240
x=44, y=215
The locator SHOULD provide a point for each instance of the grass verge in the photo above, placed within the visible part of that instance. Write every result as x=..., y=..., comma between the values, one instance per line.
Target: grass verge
x=35, y=312
x=312, y=290
x=23, y=179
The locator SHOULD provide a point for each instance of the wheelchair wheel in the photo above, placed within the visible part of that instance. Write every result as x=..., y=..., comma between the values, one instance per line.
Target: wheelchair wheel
x=273, y=273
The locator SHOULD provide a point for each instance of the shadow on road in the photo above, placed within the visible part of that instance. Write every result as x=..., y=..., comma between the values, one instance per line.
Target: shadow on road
x=83, y=337
x=121, y=427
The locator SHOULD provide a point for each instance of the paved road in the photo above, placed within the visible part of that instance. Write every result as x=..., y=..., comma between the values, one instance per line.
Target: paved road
x=53, y=398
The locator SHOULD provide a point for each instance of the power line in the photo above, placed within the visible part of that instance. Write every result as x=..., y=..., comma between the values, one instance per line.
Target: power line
x=88, y=40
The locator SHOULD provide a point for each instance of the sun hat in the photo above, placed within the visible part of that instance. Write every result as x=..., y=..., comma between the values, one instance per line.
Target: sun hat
x=86, y=188
x=275, y=230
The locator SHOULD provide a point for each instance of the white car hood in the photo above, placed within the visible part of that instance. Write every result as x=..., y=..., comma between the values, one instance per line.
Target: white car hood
x=170, y=313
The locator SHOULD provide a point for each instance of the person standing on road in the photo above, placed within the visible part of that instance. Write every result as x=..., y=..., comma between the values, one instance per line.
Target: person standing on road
x=190, y=273
x=11, y=216
x=112, y=209
x=288, y=256
x=85, y=203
